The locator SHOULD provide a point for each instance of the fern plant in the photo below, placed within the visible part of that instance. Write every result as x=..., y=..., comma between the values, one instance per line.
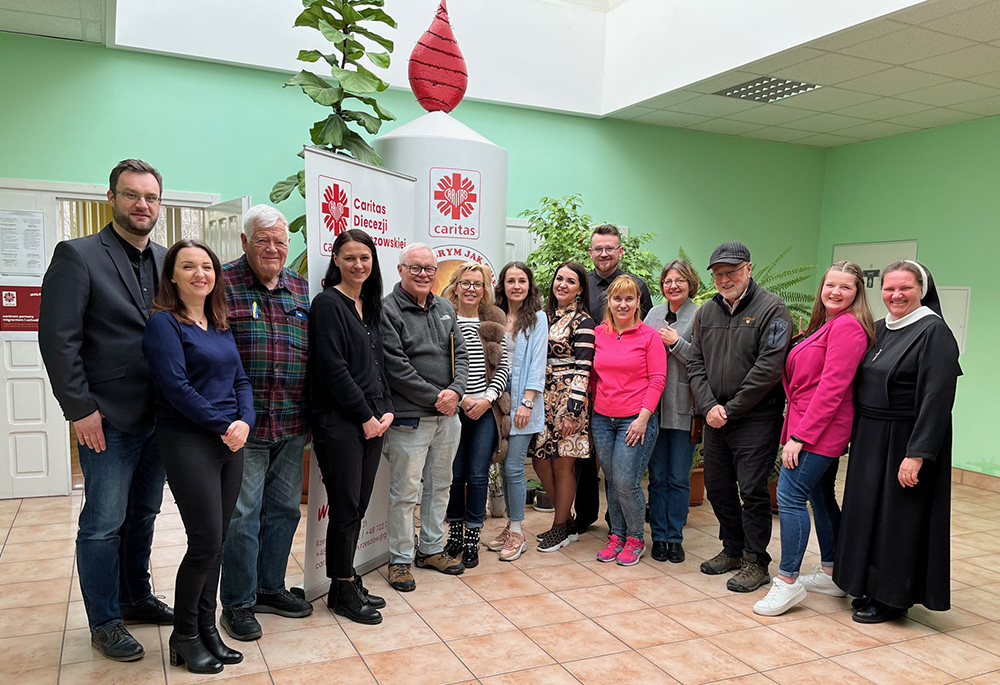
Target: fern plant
x=341, y=22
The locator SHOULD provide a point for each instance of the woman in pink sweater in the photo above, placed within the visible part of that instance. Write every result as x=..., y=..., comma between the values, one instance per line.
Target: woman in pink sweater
x=819, y=381
x=630, y=369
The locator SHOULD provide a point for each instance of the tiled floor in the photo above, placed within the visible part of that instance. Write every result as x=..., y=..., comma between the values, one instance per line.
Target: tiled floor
x=546, y=618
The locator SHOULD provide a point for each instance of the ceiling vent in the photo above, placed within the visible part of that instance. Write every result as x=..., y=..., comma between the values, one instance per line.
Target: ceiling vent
x=767, y=89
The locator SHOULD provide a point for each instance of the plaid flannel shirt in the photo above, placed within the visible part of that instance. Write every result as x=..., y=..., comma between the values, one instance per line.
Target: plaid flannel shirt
x=271, y=330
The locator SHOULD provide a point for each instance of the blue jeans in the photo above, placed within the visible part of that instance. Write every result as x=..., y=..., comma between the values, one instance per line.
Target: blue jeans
x=670, y=484
x=515, y=490
x=813, y=480
x=623, y=467
x=259, y=540
x=471, y=469
x=123, y=489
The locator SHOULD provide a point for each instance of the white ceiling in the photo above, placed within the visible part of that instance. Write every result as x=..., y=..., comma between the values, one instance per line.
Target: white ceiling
x=932, y=64
x=71, y=19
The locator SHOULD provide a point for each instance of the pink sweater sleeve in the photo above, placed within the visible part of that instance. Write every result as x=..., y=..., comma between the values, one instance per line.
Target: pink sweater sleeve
x=656, y=369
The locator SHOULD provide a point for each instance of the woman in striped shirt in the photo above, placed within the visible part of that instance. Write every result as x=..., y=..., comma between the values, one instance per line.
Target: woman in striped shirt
x=485, y=408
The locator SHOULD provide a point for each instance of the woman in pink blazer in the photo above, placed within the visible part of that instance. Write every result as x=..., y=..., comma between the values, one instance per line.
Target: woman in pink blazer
x=819, y=381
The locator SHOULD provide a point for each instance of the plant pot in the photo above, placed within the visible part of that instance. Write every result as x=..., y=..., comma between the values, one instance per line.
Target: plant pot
x=697, y=487
x=497, y=506
x=530, y=498
x=542, y=501
x=773, y=488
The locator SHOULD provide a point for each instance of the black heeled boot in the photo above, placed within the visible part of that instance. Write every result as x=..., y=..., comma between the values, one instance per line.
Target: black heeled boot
x=219, y=649
x=190, y=650
x=374, y=601
x=470, y=554
x=348, y=601
x=456, y=531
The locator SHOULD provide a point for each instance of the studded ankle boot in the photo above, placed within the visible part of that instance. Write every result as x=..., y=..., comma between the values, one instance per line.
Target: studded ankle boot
x=470, y=552
x=456, y=530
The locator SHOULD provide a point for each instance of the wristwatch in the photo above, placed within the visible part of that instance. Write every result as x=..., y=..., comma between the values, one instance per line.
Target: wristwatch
x=527, y=403
x=799, y=440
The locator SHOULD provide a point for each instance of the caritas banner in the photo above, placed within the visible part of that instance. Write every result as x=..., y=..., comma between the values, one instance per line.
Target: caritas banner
x=19, y=305
x=341, y=194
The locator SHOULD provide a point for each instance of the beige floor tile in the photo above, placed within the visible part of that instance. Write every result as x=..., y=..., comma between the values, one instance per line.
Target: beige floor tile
x=40, y=676
x=644, y=628
x=33, y=551
x=985, y=636
x=575, y=640
x=695, y=661
x=989, y=542
x=708, y=617
x=26, y=571
x=615, y=669
x=395, y=632
x=896, y=630
x=664, y=591
x=76, y=616
x=434, y=595
x=971, y=573
x=825, y=636
x=566, y=576
x=41, y=517
x=887, y=666
x=945, y=621
x=34, y=593
x=147, y=671
x=167, y=557
x=821, y=672
x=536, y=610
x=165, y=521
x=168, y=537
x=252, y=665
x=602, y=600
x=425, y=665
x=585, y=549
x=968, y=523
x=825, y=604
x=468, y=620
x=978, y=601
x=763, y=648
x=712, y=586
x=549, y=675
x=352, y=670
x=321, y=616
x=951, y=655
x=537, y=559
x=51, y=531
x=28, y=652
x=47, y=618
x=488, y=655
x=490, y=563
x=76, y=646
x=307, y=646
x=622, y=574
x=504, y=585
x=743, y=603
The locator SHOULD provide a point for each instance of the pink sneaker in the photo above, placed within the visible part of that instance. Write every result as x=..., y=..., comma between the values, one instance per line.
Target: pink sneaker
x=611, y=550
x=631, y=552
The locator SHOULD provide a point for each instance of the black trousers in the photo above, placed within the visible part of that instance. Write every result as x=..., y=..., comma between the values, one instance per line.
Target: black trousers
x=205, y=479
x=348, y=464
x=588, y=501
x=738, y=460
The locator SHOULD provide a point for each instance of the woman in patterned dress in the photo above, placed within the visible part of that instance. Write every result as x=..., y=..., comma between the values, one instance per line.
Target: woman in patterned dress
x=566, y=435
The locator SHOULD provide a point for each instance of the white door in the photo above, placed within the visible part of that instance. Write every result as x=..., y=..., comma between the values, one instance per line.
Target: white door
x=34, y=439
x=223, y=226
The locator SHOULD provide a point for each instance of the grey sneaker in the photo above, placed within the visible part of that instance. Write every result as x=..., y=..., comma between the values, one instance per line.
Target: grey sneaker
x=720, y=563
x=750, y=577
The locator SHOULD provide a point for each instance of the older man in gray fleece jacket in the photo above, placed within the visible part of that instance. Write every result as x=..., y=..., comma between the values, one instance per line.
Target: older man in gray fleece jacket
x=427, y=367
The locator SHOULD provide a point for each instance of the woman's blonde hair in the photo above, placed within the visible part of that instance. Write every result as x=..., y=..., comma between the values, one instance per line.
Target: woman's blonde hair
x=623, y=285
x=859, y=309
x=450, y=291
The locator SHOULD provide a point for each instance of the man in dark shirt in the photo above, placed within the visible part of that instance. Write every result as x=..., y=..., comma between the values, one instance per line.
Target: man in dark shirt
x=96, y=296
x=269, y=318
x=605, y=252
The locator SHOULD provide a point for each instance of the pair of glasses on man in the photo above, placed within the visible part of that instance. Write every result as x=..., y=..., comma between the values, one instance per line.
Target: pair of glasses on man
x=415, y=269
x=135, y=197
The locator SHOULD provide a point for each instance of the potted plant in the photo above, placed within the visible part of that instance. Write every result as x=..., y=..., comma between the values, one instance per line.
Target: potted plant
x=698, y=476
x=495, y=490
x=532, y=486
x=772, y=481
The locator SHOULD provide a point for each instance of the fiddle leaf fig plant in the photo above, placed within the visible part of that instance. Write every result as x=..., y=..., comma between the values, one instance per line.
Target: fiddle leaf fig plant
x=349, y=87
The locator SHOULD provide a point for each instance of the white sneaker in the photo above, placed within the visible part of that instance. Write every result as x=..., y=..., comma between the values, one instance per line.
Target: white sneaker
x=818, y=581
x=782, y=597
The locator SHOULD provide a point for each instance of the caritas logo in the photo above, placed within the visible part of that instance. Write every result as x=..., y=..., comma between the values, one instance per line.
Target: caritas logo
x=454, y=205
x=334, y=208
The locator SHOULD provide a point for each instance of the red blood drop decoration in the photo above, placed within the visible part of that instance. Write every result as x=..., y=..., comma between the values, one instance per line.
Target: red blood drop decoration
x=437, y=69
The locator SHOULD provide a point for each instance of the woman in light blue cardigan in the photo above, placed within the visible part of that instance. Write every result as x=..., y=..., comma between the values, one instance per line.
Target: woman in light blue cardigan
x=528, y=337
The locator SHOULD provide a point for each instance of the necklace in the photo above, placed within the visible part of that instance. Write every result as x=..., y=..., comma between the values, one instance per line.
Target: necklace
x=885, y=344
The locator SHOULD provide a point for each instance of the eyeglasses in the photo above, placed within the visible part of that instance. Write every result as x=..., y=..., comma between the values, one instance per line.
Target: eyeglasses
x=670, y=283
x=135, y=197
x=415, y=269
x=605, y=250
x=470, y=285
x=728, y=274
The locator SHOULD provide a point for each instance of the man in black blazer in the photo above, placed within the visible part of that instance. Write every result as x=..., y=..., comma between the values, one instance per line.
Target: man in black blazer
x=96, y=296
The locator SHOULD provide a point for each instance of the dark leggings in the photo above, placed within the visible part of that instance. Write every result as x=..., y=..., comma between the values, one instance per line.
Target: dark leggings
x=348, y=463
x=205, y=479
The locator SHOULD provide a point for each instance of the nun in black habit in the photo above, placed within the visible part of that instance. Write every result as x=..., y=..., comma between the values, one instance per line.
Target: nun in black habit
x=894, y=531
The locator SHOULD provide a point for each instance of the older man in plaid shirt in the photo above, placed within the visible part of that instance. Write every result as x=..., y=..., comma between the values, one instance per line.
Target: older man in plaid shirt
x=269, y=317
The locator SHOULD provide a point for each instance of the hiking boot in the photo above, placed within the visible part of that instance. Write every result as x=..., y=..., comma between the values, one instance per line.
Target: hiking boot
x=750, y=576
x=440, y=562
x=514, y=547
x=456, y=535
x=554, y=539
x=611, y=549
x=400, y=578
x=497, y=543
x=782, y=597
x=720, y=563
x=819, y=581
x=470, y=550
x=240, y=624
x=631, y=552
x=282, y=603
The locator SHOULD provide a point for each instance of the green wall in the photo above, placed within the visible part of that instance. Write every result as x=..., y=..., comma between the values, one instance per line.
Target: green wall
x=939, y=187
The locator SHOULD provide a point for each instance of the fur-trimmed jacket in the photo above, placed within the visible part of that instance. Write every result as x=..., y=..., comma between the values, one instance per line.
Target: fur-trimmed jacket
x=491, y=333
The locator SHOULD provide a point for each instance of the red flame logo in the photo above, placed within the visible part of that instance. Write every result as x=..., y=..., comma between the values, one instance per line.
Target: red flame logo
x=456, y=195
x=335, y=208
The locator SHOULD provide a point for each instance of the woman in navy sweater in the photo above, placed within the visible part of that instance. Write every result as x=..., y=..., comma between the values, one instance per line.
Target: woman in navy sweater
x=204, y=411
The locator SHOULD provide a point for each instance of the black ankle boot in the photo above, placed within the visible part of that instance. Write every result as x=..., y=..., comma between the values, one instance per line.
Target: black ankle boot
x=213, y=641
x=190, y=650
x=374, y=601
x=470, y=550
x=453, y=548
x=349, y=602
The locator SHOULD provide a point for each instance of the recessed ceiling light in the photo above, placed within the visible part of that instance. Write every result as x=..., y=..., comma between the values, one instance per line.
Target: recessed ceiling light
x=767, y=89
